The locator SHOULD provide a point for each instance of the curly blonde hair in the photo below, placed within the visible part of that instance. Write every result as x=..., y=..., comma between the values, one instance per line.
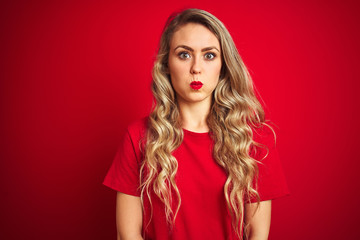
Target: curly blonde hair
x=234, y=112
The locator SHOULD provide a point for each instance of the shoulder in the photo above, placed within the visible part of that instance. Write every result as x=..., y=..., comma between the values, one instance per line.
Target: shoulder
x=271, y=182
x=264, y=135
x=264, y=141
x=133, y=140
x=137, y=128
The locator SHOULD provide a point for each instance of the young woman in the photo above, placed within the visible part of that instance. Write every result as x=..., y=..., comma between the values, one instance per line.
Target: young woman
x=203, y=164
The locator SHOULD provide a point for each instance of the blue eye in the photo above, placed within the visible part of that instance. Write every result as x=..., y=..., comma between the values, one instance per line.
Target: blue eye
x=184, y=55
x=210, y=56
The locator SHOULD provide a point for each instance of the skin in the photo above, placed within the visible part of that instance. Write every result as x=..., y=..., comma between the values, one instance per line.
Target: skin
x=258, y=220
x=195, y=55
x=128, y=217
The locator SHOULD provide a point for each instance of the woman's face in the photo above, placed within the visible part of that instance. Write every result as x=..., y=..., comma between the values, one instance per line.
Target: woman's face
x=194, y=63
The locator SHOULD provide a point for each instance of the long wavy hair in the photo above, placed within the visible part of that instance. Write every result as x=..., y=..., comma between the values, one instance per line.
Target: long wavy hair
x=235, y=112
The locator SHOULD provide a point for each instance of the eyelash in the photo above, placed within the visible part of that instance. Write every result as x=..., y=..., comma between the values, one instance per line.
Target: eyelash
x=181, y=55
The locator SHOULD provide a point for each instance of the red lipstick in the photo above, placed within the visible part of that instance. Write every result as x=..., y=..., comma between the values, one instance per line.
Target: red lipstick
x=196, y=85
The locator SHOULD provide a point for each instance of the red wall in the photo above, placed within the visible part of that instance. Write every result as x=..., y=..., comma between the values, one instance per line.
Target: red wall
x=73, y=75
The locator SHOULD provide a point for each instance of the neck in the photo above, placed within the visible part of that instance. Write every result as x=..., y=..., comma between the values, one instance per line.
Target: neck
x=194, y=115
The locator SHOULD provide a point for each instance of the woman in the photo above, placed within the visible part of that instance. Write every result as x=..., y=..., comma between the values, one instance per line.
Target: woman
x=202, y=165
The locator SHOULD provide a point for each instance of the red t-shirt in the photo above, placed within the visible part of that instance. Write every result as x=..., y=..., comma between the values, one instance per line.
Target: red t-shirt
x=203, y=213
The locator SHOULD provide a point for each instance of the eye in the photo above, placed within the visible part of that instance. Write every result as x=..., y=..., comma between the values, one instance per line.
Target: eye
x=210, y=56
x=184, y=55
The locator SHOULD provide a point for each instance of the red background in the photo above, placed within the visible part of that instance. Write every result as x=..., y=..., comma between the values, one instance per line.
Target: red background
x=74, y=74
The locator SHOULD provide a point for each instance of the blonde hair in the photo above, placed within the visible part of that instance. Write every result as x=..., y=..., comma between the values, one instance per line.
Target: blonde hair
x=234, y=112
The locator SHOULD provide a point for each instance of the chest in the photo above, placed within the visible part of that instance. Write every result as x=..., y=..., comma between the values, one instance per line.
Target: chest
x=198, y=176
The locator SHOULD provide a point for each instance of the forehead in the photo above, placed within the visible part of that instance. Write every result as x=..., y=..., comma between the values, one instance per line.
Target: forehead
x=195, y=36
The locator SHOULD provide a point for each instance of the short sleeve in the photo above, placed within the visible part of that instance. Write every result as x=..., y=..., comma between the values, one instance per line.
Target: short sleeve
x=271, y=182
x=123, y=175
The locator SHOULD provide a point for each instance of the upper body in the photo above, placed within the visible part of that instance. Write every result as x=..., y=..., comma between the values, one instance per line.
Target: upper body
x=203, y=213
x=195, y=167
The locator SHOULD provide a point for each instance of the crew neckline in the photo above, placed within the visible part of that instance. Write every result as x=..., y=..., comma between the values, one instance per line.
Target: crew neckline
x=195, y=134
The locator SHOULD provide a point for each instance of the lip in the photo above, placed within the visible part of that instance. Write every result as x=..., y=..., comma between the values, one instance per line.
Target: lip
x=196, y=85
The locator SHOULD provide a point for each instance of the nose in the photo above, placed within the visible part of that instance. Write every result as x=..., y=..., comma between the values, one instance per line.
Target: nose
x=196, y=66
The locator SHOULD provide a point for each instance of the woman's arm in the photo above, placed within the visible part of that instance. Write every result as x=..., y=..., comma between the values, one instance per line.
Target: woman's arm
x=257, y=220
x=128, y=217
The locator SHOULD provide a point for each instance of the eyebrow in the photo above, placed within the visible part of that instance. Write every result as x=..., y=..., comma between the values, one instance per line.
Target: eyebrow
x=192, y=50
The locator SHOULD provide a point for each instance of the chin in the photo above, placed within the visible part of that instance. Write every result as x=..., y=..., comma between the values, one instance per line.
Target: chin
x=197, y=99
